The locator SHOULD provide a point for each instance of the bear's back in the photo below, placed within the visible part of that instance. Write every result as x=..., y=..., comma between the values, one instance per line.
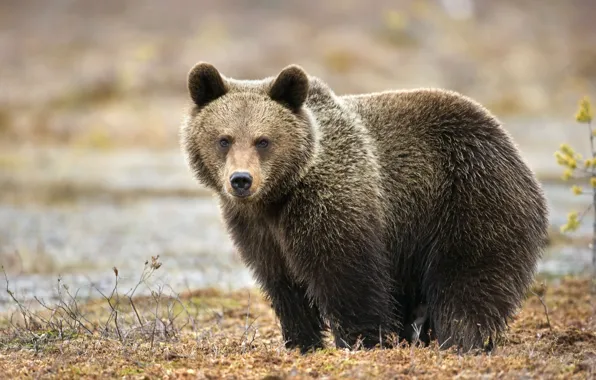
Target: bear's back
x=424, y=117
x=434, y=145
x=424, y=135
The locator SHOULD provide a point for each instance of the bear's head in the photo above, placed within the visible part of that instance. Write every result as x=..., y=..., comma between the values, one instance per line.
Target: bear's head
x=248, y=140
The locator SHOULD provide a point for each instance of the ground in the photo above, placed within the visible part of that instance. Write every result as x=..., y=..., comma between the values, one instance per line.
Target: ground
x=211, y=334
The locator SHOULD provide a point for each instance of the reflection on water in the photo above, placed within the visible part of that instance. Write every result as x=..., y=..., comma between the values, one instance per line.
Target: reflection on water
x=92, y=238
x=83, y=237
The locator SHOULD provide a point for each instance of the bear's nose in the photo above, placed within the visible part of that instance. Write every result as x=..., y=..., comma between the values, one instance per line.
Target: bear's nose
x=241, y=181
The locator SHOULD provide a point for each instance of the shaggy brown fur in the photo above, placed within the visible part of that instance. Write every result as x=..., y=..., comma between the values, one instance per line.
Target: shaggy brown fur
x=367, y=210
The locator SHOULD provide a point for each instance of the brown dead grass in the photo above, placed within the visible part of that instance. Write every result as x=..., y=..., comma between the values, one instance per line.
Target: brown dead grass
x=236, y=336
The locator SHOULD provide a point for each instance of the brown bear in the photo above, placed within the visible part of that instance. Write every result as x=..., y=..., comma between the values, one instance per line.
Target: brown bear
x=360, y=212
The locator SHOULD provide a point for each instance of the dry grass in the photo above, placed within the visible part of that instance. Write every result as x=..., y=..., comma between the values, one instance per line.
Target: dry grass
x=213, y=334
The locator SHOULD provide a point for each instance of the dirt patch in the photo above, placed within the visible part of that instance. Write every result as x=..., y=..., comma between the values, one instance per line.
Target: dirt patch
x=235, y=335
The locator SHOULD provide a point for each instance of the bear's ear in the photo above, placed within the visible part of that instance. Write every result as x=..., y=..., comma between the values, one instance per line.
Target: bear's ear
x=290, y=87
x=205, y=84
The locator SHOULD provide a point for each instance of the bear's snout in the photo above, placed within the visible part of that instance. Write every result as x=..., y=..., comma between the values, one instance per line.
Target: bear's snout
x=241, y=183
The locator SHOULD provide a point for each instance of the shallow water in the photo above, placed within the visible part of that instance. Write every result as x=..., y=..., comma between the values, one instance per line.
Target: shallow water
x=159, y=210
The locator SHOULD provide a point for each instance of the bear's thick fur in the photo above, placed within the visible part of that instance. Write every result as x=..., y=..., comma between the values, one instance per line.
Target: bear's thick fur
x=361, y=212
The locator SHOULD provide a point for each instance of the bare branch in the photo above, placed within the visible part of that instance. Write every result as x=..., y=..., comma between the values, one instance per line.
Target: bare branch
x=545, y=309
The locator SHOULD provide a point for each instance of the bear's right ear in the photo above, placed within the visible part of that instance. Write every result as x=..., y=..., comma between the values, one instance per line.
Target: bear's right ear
x=205, y=84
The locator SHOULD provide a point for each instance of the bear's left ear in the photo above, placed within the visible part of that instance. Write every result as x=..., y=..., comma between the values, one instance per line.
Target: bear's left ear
x=205, y=84
x=290, y=87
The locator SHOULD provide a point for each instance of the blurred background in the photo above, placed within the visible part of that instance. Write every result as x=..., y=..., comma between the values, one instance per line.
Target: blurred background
x=92, y=95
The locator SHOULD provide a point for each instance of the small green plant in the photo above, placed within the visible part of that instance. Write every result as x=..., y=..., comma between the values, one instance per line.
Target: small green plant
x=582, y=169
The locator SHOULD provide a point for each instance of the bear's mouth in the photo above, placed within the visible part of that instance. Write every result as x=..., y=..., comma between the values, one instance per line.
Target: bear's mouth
x=241, y=193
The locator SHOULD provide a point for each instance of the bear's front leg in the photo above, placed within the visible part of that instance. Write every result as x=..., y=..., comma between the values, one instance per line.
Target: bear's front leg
x=348, y=277
x=301, y=322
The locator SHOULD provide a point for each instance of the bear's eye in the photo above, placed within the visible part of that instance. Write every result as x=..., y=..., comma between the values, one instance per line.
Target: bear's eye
x=224, y=142
x=262, y=143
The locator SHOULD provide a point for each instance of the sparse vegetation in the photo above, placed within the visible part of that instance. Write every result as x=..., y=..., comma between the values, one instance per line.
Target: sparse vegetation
x=584, y=171
x=212, y=334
